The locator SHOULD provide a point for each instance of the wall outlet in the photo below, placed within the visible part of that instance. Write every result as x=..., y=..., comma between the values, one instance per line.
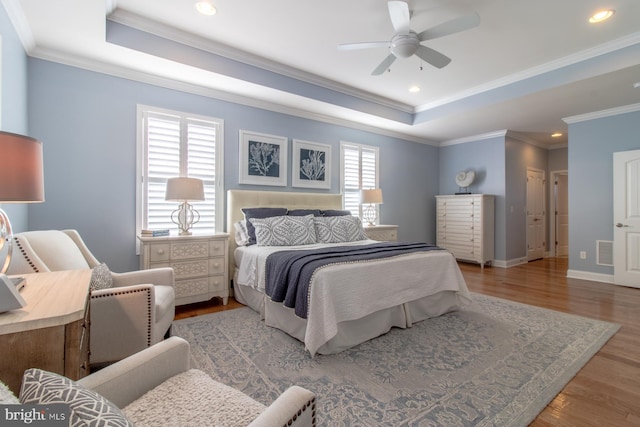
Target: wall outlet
x=583, y=254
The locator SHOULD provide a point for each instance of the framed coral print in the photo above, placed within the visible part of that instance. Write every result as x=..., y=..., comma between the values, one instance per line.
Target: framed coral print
x=311, y=165
x=263, y=159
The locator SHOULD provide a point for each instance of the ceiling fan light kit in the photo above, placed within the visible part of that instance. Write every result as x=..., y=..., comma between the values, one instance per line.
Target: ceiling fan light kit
x=406, y=42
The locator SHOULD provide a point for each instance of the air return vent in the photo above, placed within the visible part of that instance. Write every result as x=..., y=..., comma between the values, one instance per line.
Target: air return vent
x=604, y=252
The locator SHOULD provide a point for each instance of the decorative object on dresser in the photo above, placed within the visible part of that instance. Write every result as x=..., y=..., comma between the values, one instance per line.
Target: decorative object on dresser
x=129, y=311
x=51, y=332
x=199, y=262
x=184, y=190
x=387, y=233
x=465, y=226
x=464, y=179
x=21, y=181
x=371, y=197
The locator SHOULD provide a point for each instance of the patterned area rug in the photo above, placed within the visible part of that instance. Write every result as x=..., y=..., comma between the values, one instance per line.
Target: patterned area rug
x=496, y=363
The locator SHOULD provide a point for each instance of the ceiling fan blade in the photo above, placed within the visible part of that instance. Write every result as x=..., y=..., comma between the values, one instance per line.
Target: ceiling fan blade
x=433, y=57
x=384, y=65
x=450, y=27
x=363, y=45
x=400, y=16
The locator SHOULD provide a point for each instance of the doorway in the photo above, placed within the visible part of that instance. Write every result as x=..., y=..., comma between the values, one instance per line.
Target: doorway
x=535, y=214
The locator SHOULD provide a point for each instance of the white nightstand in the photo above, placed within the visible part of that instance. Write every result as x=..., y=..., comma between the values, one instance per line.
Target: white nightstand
x=199, y=262
x=382, y=232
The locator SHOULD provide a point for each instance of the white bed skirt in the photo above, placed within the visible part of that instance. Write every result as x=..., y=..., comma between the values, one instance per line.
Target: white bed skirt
x=352, y=332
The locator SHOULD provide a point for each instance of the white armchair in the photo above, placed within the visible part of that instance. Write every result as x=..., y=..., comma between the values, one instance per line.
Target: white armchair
x=134, y=313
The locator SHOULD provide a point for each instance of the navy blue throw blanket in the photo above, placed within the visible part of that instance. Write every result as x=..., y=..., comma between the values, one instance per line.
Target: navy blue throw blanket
x=288, y=273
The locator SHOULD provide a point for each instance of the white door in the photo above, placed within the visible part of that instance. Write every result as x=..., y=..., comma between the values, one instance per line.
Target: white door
x=626, y=218
x=562, y=215
x=535, y=214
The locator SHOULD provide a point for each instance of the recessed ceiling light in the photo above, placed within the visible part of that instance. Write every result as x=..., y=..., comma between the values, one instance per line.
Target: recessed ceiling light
x=601, y=15
x=205, y=8
x=414, y=89
x=556, y=135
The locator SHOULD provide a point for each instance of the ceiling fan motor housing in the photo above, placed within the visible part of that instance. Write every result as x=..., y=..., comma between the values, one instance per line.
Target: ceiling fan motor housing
x=405, y=45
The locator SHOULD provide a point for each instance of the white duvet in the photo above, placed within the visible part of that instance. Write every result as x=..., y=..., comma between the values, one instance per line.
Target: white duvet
x=351, y=291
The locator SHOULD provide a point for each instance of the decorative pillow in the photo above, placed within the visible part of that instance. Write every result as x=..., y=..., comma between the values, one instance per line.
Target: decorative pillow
x=241, y=235
x=285, y=230
x=87, y=407
x=335, y=212
x=100, y=278
x=304, y=212
x=6, y=396
x=339, y=229
x=259, y=213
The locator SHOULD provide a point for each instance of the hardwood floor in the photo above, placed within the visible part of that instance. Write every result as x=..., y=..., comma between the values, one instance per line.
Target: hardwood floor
x=606, y=392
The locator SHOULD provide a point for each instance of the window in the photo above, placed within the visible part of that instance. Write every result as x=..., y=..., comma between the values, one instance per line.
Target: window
x=177, y=144
x=359, y=170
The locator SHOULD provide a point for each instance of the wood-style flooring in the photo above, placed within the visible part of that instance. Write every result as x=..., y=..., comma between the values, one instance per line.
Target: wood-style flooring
x=606, y=392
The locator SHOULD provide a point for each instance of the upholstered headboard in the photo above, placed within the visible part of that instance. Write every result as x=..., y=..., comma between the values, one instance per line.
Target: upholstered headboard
x=238, y=199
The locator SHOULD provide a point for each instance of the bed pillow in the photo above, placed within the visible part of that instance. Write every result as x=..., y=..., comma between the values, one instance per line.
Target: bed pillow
x=304, y=212
x=339, y=229
x=87, y=407
x=285, y=230
x=259, y=213
x=241, y=234
x=335, y=212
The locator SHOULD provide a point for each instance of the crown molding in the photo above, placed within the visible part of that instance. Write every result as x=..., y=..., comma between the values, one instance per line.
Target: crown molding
x=603, y=113
x=474, y=138
x=138, y=22
x=621, y=43
x=153, y=79
x=19, y=21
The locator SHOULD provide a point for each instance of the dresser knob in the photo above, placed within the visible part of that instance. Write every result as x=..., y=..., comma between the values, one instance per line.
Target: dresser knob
x=160, y=251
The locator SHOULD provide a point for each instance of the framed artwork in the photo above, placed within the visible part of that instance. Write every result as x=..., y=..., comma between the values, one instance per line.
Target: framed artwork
x=311, y=165
x=263, y=159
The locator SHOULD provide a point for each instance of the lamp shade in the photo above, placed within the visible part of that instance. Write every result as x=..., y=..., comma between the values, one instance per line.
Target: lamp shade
x=184, y=189
x=373, y=196
x=21, y=169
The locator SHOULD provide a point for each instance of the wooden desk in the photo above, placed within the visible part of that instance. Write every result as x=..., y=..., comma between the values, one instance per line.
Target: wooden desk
x=51, y=332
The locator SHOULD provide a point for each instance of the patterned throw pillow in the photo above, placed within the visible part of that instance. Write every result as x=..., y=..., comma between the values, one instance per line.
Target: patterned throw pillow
x=6, y=396
x=285, y=230
x=339, y=229
x=259, y=213
x=241, y=234
x=100, y=278
x=87, y=407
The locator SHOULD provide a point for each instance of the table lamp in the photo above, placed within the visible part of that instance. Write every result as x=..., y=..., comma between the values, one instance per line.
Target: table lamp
x=371, y=197
x=184, y=190
x=21, y=181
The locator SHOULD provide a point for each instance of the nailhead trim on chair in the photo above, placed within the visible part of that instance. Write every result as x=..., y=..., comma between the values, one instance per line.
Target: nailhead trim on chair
x=310, y=404
x=24, y=254
x=148, y=306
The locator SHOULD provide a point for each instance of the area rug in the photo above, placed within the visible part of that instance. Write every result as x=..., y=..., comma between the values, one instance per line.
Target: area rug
x=495, y=363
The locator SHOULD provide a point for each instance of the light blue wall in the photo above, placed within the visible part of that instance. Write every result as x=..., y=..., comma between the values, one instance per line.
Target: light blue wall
x=487, y=158
x=87, y=122
x=591, y=147
x=558, y=159
x=13, y=105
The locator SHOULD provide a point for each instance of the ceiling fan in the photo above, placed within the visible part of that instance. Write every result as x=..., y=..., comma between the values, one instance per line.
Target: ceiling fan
x=406, y=42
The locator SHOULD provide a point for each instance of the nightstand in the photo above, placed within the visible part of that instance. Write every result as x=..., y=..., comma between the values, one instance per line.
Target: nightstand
x=383, y=233
x=51, y=332
x=199, y=262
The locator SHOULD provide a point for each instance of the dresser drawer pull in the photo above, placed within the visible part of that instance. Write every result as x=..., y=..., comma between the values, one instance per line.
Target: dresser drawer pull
x=160, y=251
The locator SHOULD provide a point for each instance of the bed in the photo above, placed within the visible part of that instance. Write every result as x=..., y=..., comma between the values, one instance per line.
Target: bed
x=399, y=290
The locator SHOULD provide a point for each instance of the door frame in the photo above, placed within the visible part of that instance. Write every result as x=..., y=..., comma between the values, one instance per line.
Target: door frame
x=552, y=209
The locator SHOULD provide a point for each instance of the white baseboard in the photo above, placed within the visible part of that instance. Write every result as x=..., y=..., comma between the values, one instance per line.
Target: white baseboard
x=509, y=263
x=587, y=275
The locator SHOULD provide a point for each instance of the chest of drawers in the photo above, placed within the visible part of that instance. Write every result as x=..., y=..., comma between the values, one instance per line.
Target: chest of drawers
x=198, y=261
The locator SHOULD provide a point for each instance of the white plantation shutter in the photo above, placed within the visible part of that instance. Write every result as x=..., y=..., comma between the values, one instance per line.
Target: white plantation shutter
x=359, y=169
x=175, y=144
